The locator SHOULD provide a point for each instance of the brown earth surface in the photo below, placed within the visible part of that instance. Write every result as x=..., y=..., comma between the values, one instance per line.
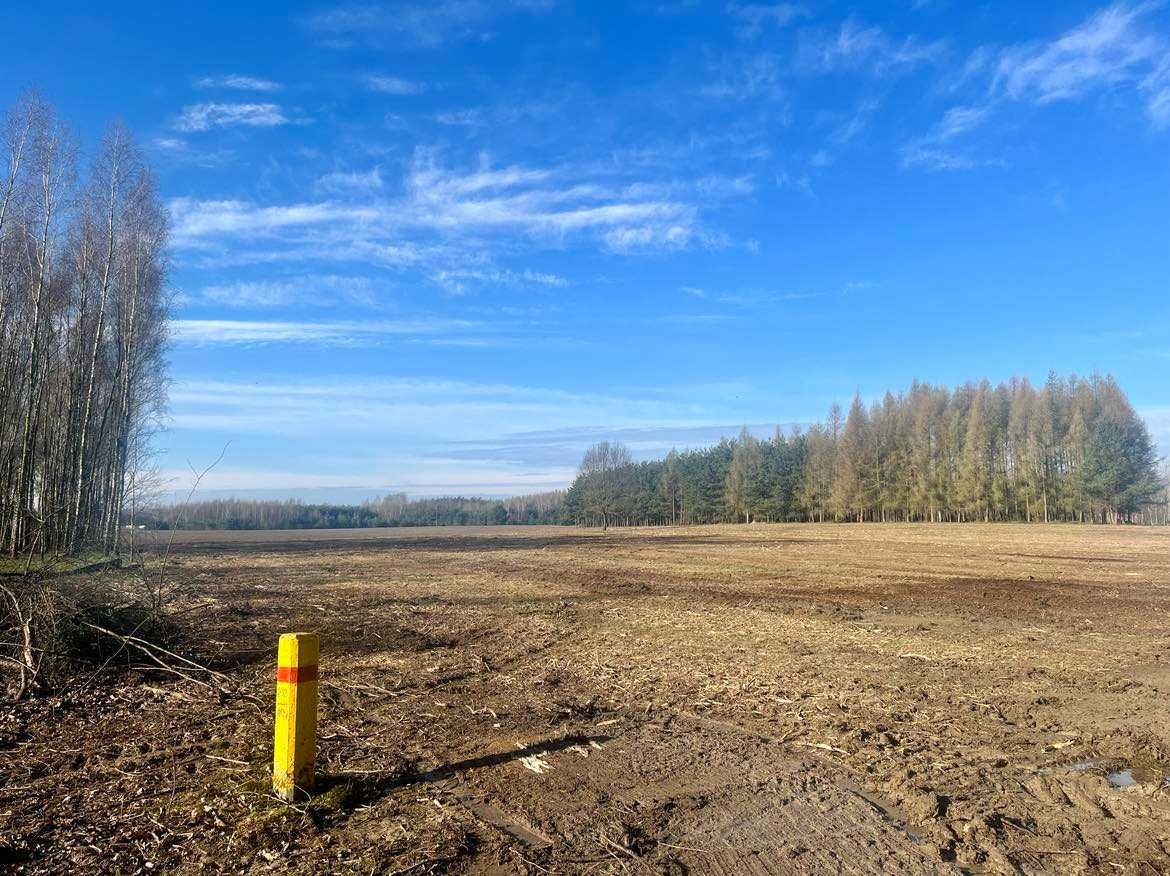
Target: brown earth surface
x=733, y=699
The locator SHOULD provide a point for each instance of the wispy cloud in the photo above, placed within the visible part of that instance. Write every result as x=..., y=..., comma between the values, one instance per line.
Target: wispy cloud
x=543, y=203
x=481, y=211
x=739, y=78
x=857, y=122
x=470, y=437
x=176, y=150
x=754, y=18
x=418, y=477
x=933, y=151
x=350, y=181
x=426, y=23
x=1109, y=48
x=565, y=446
x=798, y=181
x=457, y=280
x=514, y=198
x=460, y=411
x=205, y=116
x=1157, y=84
x=820, y=158
x=238, y=83
x=393, y=85
x=462, y=118
x=509, y=200
x=194, y=220
x=343, y=333
x=327, y=290
x=855, y=47
x=959, y=120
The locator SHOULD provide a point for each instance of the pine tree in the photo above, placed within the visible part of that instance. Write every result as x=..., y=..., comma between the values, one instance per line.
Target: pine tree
x=850, y=475
x=670, y=487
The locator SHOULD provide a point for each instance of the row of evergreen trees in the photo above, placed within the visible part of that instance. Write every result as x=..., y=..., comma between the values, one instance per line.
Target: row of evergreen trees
x=1072, y=450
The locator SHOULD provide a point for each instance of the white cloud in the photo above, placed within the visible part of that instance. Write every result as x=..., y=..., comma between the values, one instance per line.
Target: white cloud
x=434, y=435
x=959, y=120
x=427, y=23
x=801, y=182
x=424, y=478
x=539, y=203
x=933, y=158
x=867, y=49
x=441, y=209
x=426, y=175
x=393, y=85
x=1108, y=49
x=745, y=78
x=176, y=150
x=351, y=181
x=518, y=199
x=239, y=83
x=636, y=238
x=857, y=122
x=1111, y=48
x=465, y=118
x=754, y=18
x=318, y=291
x=1104, y=49
x=1157, y=85
x=193, y=220
x=977, y=65
x=933, y=151
x=205, y=116
x=457, y=280
x=234, y=331
x=456, y=410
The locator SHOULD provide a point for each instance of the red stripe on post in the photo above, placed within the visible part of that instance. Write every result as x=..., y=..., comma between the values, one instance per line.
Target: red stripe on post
x=296, y=674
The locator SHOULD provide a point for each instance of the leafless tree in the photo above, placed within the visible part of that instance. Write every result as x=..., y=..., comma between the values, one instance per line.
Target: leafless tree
x=603, y=468
x=82, y=328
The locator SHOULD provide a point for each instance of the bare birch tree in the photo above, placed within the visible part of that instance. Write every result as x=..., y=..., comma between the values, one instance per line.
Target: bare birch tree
x=82, y=329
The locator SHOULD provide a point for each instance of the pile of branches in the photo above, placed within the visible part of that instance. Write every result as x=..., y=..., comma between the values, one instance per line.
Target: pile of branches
x=61, y=626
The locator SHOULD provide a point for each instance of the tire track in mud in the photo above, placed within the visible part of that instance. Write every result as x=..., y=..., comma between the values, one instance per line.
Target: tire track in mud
x=701, y=796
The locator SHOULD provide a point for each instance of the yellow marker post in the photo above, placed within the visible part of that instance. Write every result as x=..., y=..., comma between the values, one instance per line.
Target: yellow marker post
x=295, y=752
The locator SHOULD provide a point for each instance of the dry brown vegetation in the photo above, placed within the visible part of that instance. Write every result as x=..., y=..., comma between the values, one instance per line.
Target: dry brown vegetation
x=726, y=699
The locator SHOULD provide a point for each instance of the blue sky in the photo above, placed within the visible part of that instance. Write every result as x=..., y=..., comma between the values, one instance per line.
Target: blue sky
x=442, y=246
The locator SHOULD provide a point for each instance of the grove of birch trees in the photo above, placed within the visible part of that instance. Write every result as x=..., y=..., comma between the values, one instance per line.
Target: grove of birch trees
x=82, y=329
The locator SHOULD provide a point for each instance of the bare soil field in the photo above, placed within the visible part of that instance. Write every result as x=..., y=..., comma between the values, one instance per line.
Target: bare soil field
x=736, y=699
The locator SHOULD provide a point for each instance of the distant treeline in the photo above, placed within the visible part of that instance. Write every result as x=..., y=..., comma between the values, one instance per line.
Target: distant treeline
x=1072, y=450
x=393, y=510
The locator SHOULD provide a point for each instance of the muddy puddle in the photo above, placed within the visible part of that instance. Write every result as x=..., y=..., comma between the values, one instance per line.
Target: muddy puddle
x=1123, y=773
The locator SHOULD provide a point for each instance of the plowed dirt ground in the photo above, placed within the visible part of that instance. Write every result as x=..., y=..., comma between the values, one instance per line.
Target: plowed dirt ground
x=751, y=699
